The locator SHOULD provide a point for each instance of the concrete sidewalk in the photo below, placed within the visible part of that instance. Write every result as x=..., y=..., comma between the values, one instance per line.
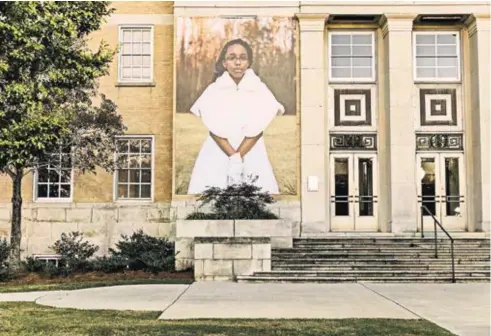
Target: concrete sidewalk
x=461, y=308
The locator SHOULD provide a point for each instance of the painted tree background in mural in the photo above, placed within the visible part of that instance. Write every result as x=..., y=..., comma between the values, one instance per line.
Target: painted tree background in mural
x=199, y=41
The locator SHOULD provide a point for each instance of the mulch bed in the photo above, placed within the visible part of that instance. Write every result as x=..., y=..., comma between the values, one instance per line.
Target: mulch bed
x=35, y=278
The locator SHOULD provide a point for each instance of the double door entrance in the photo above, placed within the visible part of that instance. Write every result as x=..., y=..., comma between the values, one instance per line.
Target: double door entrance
x=353, y=192
x=441, y=189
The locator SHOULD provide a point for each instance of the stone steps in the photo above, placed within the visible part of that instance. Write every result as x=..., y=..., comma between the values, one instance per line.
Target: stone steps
x=344, y=267
x=388, y=247
x=344, y=259
x=378, y=261
x=375, y=273
x=418, y=279
x=394, y=255
x=381, y=240
x=429, y=244
x=466, y=251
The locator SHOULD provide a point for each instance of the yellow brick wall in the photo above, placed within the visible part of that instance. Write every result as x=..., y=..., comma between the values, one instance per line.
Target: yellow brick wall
x=6, y=188
x=143, y=7
x=145, y=110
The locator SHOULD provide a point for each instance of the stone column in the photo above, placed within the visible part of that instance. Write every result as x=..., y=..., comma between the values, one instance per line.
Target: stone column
x=397, y=32
x=313, y=122
x=478, y=123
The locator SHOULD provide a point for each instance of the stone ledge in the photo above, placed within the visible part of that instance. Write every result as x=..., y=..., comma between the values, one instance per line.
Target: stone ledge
x=204, y=228
x=232, y=240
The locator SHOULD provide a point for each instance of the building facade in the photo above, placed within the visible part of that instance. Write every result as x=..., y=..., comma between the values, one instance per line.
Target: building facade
x=382, y=107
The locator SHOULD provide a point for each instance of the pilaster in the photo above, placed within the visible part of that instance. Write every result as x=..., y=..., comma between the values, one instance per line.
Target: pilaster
x=478, y=121
x=397, y=33
x=313, y=122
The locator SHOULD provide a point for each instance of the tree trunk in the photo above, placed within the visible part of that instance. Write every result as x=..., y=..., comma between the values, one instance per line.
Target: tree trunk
x=15, y=231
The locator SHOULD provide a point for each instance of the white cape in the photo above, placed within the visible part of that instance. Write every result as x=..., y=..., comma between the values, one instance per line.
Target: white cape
x=234, y=111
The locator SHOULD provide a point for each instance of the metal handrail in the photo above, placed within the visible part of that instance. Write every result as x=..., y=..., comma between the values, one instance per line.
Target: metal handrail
x=435, y=222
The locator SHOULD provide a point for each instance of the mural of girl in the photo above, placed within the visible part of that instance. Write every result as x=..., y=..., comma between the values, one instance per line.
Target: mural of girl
x=235, y=108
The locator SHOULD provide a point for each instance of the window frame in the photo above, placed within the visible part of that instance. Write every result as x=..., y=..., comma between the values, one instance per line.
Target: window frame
x=373, y=76
x=51, y=199
x=152, y=181
x=458, y=79
x=123, y=27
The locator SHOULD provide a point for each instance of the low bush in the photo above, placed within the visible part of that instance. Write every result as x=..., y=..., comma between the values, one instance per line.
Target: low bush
x=4, y=257
x=237, y=201
x=32, y=265
x=75, y=252
x=144, y=252
x=110, y=264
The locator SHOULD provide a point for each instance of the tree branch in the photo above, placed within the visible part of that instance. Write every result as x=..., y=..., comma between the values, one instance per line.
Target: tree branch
x=9, y=172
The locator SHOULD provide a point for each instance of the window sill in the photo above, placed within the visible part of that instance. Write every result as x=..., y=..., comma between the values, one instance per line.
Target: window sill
x=134, y=201
x=53, y=200
x=135, y=84
x=437, y=81
x=342, y=81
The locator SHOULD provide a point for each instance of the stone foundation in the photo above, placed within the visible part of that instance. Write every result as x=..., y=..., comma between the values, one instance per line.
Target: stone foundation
x=218, y=258
x=104, y=223
x=279, y=231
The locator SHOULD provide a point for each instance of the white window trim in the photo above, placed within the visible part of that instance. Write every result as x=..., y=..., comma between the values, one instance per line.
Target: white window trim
x=115, y=175
x=459, y=52
x=120, y=36
x=352, y=80
x=53, y=199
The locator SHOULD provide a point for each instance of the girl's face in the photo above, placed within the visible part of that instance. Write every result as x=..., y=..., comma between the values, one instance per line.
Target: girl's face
x=236, y=61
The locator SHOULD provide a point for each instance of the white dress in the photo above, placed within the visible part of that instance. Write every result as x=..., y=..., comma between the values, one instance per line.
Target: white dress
x=233, y=112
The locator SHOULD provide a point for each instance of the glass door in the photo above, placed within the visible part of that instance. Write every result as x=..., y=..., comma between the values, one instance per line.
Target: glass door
x=441, y=190
x=353, y=192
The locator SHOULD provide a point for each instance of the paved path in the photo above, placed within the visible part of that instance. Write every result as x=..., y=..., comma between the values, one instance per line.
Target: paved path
x=135, y=297
x=461, y=308
x=237, y=300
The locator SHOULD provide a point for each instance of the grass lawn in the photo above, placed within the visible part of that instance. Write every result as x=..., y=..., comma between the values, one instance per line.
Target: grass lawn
x=89, y=284
x=17, y=319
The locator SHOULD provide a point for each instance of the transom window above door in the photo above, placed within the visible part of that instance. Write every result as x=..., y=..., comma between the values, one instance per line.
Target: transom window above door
x=437, y=56
x=352, y=56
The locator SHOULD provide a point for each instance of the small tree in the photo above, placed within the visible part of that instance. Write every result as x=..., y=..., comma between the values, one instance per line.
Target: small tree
x=48, y=90
x=237, y=201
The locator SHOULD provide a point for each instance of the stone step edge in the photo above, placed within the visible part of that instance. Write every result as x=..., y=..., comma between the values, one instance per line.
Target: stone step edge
x=374, y=271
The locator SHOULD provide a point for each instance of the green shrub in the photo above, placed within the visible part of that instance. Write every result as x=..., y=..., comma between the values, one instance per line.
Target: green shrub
x=4, y=257
x=33, y=265
x=144, y=252
x=75, y=252
x=238, y=201
x=50, y=270
x=110, y=264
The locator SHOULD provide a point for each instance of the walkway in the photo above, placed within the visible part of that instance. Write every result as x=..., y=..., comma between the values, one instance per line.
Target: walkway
x=464, y=309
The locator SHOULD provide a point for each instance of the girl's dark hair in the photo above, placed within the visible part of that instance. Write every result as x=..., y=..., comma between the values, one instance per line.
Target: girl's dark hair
x=219, y=69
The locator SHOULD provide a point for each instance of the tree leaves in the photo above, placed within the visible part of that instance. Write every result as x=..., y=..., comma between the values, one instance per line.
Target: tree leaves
x=48, y=83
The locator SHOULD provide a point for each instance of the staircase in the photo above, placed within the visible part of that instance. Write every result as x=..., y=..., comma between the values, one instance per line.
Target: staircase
x=377, y=260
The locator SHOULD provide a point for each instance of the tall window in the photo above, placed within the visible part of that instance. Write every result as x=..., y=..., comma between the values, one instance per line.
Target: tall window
x=352, y=56
x=437, y=56
x=54, y=181
x=134, y=175
x=135, y=59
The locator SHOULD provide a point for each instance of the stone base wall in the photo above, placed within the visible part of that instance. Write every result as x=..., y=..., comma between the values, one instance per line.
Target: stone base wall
x=101, y=223
x=104, y=223
x=279, y=231
x=217, y=258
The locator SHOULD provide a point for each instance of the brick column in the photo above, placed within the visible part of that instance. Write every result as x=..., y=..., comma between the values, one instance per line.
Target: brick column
x=313, y=121
x=403, y=210
x=478, y=123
